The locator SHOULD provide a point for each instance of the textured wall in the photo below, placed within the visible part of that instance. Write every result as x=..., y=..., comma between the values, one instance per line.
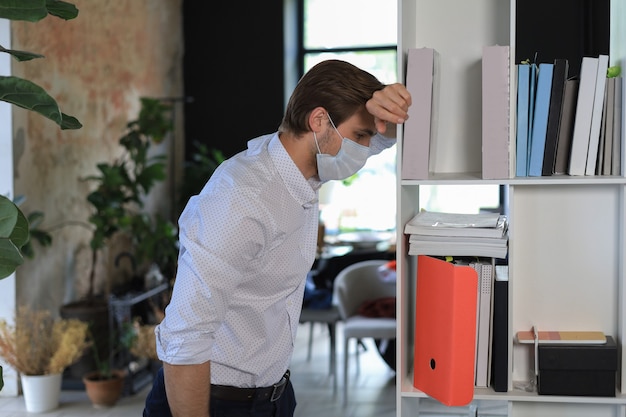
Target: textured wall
x=96, y=66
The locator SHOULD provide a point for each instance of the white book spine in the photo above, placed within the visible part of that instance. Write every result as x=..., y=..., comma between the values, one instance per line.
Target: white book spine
x=596, y=115
x=582, y=121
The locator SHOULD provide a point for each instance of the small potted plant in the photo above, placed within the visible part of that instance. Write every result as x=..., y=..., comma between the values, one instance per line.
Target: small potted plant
x=40, y=347
x=105, y=384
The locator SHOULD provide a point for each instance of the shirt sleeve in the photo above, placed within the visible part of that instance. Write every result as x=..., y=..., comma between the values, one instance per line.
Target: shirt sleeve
x=218, y=239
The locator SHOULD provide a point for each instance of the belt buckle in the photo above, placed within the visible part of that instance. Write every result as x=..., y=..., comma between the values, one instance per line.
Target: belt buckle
x=279, y=387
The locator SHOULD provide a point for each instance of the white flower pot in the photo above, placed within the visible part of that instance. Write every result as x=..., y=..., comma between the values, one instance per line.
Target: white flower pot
x=41, y=392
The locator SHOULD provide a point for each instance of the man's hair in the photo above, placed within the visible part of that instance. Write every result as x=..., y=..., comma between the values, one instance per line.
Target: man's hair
x=338, y=86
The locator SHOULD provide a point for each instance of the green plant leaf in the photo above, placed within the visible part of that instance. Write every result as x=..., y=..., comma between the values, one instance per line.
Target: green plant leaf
x=30, y=96
x=21, y=55
x=35, y=10
x=61, y=9
x=28, y=10
x=13, y=236
x=8, y=217
x=69, y=122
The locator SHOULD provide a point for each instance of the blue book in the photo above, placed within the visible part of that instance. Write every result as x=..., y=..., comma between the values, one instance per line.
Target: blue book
x=523, y=107
x=531, y=111
x=540, y=119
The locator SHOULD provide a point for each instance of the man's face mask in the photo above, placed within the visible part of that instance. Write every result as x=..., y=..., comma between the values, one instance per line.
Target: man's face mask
x=348, y=161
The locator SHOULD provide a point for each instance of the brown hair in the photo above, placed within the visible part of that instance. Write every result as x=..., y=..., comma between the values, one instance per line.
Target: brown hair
x=338, y=86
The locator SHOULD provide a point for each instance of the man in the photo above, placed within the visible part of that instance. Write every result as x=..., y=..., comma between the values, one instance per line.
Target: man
x=249, y=239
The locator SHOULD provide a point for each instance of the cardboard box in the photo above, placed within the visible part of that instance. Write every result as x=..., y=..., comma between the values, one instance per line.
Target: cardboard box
x=573, y=369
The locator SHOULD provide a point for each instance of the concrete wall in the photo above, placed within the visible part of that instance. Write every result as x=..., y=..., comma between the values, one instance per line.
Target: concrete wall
x=96, y=66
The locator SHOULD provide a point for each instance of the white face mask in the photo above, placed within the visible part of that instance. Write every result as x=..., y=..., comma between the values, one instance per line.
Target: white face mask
x=348, y=161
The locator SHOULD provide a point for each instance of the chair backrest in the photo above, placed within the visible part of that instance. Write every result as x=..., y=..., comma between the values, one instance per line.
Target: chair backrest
x=360, y=282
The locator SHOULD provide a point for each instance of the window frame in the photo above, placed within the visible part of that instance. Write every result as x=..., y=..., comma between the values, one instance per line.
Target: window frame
x=302, y=51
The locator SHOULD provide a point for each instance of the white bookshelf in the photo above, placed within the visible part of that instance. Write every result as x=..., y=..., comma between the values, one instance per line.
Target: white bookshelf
x=566, y=235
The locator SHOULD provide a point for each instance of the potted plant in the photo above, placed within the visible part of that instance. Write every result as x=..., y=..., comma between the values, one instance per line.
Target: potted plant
x=40, y=347
x=104, y=385
x=117, y=201
x=30, y=96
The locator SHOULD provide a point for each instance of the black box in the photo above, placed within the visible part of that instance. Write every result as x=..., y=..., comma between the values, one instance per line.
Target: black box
x=572, y=369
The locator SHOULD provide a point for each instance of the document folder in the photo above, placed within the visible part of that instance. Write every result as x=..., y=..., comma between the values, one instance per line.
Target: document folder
x=445, y=330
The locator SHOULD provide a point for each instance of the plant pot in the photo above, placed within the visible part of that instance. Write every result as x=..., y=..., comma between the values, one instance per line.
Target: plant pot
x=102, y=392
x=41, y=392
x=96, y=313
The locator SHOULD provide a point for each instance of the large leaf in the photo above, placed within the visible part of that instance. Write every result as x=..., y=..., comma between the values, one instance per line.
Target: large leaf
x=28, y=10
x=35, y=10
x=30, y=96
x=13, y=235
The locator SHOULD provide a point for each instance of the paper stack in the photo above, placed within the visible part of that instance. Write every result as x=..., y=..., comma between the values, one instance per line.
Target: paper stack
x=456, y=234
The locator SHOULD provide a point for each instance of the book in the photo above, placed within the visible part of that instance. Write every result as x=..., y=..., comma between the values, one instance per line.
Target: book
x=523, y=109
x=582, y=119
x=566, y=126
x=618, y=123
x=495, y=112
x=540, y=119
x=596, y=115
x=418, y=129
x=457, y=224
x=559, y=77
x=485, y=272
x=577, y=337
x=606, y=133
x=450, y=246
x=500, y=330
x=445, y=330
x=531, y=110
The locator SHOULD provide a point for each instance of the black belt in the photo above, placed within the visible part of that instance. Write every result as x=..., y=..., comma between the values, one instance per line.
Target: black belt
x=229, y=393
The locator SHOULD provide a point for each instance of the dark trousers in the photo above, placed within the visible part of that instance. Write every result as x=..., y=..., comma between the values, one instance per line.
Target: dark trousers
x=157, y=406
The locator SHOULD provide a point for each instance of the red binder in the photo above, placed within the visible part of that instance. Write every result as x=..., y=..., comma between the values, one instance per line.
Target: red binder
x=445, y=330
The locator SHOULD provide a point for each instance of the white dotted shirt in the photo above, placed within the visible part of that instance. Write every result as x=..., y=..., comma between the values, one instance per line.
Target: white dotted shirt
x=247, y=242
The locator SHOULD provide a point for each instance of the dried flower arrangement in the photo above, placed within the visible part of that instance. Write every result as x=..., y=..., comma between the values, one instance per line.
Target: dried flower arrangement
x=144, y=345
x=38, y=344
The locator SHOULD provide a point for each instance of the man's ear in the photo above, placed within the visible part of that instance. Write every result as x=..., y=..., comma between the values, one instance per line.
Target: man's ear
x=316, y=119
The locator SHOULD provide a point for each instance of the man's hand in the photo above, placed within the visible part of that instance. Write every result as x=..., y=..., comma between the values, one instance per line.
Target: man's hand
x=389, y=105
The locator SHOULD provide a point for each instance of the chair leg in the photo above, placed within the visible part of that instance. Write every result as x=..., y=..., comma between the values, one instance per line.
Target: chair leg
x=309, y=352
x=333, y=356
x=346, y=356
x=357, y=357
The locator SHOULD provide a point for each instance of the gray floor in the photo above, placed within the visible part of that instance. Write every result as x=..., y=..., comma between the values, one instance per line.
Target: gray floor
x=372, y=392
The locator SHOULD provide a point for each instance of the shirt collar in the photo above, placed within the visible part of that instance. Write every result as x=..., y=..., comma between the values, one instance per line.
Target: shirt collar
x=302, y=190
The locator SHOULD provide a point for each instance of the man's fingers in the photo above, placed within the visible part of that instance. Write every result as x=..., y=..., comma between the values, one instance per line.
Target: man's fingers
x=390, y=104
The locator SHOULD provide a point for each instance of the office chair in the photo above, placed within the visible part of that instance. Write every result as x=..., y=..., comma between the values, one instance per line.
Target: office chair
x=353, y=286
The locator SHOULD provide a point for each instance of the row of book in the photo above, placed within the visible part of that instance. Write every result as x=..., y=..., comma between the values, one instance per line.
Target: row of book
x=475, y=240
x=568, y=124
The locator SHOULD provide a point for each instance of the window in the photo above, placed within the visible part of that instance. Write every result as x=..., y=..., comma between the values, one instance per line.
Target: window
x=363, y=32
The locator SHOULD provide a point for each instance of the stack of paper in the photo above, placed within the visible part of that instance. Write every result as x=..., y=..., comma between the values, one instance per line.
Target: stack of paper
x=455, y=234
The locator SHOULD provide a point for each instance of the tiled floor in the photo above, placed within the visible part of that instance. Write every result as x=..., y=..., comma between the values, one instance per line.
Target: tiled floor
x=371, y=394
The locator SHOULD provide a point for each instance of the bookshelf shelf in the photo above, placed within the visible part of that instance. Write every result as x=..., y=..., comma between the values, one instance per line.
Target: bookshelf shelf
x=567, y=234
